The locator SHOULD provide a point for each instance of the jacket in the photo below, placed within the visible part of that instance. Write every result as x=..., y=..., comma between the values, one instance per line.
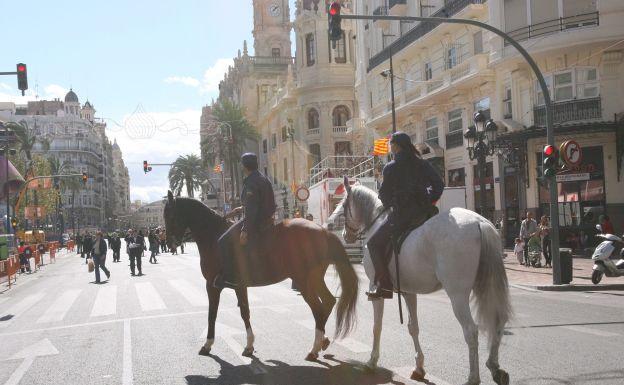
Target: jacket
x=409, y=180
x=103, y=247
x=258, y=202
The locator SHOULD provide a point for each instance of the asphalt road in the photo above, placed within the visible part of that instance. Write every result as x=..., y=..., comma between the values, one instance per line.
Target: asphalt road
x=57, y=327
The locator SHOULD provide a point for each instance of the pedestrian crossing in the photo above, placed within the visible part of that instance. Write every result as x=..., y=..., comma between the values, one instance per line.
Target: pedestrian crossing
x=149, y=297
x=60, y=307
x=105, y=302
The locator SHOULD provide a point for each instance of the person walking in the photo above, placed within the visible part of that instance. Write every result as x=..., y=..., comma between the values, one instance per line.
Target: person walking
x=136, y=245
x=544, y=229
x=87, y=246
x=79, y=245
x=153, y=246
x=115, y=245
x=98, y=253
x=606, y=225
x=163, y=241
x=528, y=227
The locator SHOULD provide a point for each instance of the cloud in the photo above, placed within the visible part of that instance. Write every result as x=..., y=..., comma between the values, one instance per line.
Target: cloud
x=149, y=193
x=53, y=91
x=209, y=84
x=50, y=91
x=4, y=86
x=185, y=80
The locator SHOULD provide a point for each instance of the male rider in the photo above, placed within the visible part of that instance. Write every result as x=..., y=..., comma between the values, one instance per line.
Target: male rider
x=409, y=189
x=258, y=209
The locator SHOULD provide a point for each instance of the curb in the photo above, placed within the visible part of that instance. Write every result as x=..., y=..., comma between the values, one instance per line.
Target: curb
x=572, y=287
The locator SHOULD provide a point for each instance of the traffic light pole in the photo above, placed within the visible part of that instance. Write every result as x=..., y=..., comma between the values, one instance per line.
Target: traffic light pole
x=550, y=133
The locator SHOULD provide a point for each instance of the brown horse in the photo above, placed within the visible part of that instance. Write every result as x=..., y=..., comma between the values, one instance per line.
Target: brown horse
x=301, y=251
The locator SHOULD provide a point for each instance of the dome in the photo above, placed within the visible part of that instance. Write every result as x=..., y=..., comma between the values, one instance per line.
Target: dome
x=71, y=97
x=87, y=104
x=115, y=145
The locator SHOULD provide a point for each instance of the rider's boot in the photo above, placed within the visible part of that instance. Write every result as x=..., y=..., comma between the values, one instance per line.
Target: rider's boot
x=383, y=289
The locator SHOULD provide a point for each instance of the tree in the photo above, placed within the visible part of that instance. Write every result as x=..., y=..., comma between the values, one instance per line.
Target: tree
x=187, y=171
x=26, y=140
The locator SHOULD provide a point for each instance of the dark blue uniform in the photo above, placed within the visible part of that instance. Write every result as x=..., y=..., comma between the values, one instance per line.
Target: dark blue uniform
x=410, y=187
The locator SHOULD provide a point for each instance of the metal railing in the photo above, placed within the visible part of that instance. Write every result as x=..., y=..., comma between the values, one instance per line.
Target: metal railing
x=382, y=10
x=271, y=60
x=454, y=139
x=570, y=111
x=339, y=166
x=555, y=25
x=392, y=3
x=419, y=30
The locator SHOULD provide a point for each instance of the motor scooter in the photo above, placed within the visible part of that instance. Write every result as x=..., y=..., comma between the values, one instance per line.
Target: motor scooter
x=603, y=264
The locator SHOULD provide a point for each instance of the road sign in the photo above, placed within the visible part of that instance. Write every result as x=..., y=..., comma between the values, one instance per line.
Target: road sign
x=302, y=193
x=570, y=152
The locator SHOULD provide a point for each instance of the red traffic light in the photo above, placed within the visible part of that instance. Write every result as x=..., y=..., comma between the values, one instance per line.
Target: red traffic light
x=549, y=150
x=21, y=68
x=85, y=178
x=334, y=8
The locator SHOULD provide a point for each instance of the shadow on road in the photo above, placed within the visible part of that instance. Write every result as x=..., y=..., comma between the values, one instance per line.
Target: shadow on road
x=594, y=377
x=565, y=324
x=278, y=372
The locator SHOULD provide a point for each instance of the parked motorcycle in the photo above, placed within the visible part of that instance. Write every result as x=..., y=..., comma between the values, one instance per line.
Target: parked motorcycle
x=603, y=264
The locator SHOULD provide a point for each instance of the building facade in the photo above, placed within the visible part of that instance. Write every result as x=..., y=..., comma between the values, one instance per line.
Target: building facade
x=148, y=216
x=445, y=73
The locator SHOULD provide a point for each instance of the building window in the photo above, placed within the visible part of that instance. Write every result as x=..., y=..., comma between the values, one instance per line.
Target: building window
x=313, y=119
x=275, y=52
x=342, y=148
x=586, y=83
x=477, y=39
x=451, y=57
x=314, y=157
x=507, y=113
x=310, y=50
x=264, y=93
x=563, y=86
x=431, y=131
x=340, y=116
x=285, y=169
x=274, y=173
x=273, y=141
x=428, y=71
x=457, y=177
x=579, y=83
x=341, y=50
x=264, y=146
x=483, y=105
x=284, y=134
x=455, y=120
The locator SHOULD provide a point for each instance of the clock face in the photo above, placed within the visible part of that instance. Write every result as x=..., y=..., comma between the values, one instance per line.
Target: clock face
x=275, y=10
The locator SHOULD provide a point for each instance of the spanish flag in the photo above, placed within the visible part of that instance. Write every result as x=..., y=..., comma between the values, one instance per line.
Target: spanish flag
x=381, y=146
x=217, y=168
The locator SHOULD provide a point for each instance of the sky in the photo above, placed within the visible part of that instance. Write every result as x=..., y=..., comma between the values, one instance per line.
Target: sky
x=147, y=66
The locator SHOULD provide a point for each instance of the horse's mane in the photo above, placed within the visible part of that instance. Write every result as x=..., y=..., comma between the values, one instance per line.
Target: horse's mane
x=194, y=209
x=367, y=201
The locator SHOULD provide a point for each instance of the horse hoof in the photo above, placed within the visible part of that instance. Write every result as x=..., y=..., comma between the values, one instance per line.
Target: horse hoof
x=325, y=344
x=312, y=357
x=418, y=375
x=248, y=352
x=204, y=352
x=501, y=377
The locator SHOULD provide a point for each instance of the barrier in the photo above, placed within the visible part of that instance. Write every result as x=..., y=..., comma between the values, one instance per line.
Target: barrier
x=53, y=255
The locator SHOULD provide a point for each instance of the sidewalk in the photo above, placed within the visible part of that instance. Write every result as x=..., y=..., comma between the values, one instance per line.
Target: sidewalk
x=541, y=278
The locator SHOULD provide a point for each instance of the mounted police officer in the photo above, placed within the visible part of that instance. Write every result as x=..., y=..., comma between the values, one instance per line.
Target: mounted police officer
x=409, y=189
x=258, y=209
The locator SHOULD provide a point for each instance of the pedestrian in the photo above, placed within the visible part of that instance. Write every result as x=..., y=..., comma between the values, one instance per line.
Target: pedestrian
x=98, y=253
x=182, y=246
x=163, y=241
x=606, y=225
x=136, y=245
x=79, y=245
x=310, y=217
x=115, y=245
x=519, y=251
x=87, y=246
x=25, y=253
x=153, y=246
x=544, y=229
x=528, y=227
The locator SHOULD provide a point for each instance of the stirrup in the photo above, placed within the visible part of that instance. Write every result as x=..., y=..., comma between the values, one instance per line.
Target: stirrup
x=379, y=292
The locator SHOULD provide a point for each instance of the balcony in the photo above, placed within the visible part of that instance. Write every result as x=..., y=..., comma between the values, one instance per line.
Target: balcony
x=454, y=139
x=340, y=129
x=381, y=11
x=570, y=111
x=555, y=25
x=398, y=7
x=312, y=132
x=420, y=30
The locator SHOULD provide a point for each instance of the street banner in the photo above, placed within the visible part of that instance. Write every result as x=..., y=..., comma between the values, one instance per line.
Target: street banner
x=43, y=183
x=381, y=146
x=572, y=177
x=32, y=212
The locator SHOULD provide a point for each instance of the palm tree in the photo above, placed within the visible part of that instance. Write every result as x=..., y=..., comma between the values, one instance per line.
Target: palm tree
x=187, y=170
x=27, y=139
x=64, y=184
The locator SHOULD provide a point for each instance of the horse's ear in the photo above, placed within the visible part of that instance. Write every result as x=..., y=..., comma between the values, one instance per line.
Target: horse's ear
x=170, y=196
x=346, y=184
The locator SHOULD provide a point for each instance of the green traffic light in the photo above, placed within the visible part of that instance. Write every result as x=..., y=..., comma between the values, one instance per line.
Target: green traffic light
x=549, y=172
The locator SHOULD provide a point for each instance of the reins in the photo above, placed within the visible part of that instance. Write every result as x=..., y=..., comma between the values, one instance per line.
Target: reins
x=358, y=233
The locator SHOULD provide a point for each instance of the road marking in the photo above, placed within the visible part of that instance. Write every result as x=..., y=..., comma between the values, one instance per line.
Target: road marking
x=105, y=301
x=20, y=307
x=28, y=354
x=194, y=296
x=405, y=372
x=227, y=333
x=149, y=297
x=60, y=307
x=127, y=376
x=596, y=332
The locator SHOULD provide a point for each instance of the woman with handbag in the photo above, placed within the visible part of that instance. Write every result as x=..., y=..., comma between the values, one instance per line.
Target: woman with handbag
x=99, y=256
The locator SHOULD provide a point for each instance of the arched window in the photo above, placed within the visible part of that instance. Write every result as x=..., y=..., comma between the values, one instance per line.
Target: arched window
x=313, y=119
x=340, y=116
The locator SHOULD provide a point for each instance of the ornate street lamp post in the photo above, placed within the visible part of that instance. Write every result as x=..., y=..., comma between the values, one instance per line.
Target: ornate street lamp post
x=481, y=144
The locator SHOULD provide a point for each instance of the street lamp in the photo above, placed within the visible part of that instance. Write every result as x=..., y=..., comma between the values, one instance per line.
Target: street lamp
x=481, y=138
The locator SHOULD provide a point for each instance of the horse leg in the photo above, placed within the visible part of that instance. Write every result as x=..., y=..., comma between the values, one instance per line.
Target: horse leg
x=310, y=295
x=213, y=306
x=328, y=300
x=461, y=307
x=419, y=373
x=243, y=304
x=500, y=376
x=378, y=309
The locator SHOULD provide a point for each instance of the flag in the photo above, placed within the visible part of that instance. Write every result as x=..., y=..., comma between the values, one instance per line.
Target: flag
x=217, y=168
x=380, y=146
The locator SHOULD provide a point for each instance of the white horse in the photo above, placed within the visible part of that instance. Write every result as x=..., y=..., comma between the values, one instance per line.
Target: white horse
x=457, y=250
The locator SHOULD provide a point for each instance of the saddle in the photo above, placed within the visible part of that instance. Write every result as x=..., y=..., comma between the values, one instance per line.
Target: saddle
x=404, y=231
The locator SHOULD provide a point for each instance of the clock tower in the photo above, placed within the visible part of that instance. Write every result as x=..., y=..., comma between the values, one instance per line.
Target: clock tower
x=271, y=28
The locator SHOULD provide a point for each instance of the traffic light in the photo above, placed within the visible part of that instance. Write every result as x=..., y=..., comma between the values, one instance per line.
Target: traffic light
x=85, y=178
x=335, y=31
x=14, y=222
x=22, y=77
x=146, y=167
x=551, y=160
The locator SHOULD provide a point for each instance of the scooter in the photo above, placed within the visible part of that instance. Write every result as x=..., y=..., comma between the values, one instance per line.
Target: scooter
x=603, y=265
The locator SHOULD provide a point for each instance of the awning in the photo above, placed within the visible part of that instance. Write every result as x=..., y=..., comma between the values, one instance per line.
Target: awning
x=15, y=180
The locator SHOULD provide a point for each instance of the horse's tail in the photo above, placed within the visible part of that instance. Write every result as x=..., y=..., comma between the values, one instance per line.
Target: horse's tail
x=491, y=291
x=346, y=308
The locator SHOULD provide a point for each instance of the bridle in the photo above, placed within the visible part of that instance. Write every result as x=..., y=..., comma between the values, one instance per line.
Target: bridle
x=357, y=233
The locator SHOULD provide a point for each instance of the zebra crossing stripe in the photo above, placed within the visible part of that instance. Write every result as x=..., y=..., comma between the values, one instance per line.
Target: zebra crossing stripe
x=20, y=307
x=60, y=307
x=105, y=301
x=194, y=296
x=149, y=297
